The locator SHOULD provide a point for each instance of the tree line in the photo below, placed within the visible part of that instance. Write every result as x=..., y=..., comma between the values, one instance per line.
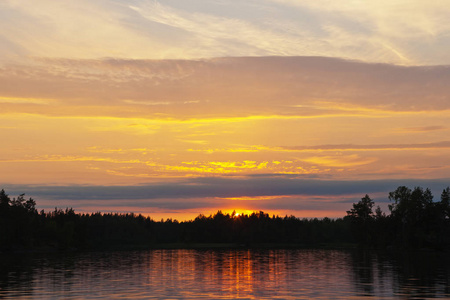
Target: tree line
x=414, y=221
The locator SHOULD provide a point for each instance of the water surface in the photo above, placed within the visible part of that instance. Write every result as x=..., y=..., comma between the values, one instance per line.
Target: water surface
x=223, y=274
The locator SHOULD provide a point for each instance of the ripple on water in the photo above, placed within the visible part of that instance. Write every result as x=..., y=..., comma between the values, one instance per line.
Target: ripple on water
x=222, y=274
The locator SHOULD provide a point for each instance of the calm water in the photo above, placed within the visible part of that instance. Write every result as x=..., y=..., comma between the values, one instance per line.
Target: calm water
x=222, y=274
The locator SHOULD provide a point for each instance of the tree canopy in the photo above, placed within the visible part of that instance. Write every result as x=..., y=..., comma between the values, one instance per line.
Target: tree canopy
x=414, y=221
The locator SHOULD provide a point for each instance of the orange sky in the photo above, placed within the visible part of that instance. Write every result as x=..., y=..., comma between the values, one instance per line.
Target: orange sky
x=167, y=129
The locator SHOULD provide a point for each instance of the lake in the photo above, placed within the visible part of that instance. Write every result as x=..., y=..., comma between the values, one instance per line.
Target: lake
x=226, y=273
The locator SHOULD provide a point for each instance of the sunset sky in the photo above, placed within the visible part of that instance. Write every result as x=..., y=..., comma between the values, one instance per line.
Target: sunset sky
x=176, y=108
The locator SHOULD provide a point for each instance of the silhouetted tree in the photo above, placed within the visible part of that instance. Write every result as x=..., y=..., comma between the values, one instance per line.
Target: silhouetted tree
x=362, y=211
x=4, y=201
x=362, y=218
x=414, y=221
x=419, y=222
x=445, y=203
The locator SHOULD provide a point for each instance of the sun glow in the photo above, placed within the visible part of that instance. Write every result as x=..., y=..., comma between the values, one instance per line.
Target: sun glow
x=237, y=212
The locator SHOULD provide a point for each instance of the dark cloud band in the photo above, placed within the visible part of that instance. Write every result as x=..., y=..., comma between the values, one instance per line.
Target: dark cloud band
x=223, y=188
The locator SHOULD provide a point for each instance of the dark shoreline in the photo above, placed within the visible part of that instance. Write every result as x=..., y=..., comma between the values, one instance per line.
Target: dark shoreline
x=415, y=222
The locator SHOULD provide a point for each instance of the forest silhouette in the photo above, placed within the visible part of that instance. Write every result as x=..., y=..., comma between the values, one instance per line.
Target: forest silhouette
x=414, y=221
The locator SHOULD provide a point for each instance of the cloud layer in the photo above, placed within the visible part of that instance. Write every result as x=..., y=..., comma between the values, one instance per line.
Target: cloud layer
x=239, y=87
x=401, y=32
x=109, y=122
x=282, y=194
x=191, y=106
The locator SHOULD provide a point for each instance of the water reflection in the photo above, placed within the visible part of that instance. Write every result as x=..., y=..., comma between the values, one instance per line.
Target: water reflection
x=411, y=275
x=221, y=274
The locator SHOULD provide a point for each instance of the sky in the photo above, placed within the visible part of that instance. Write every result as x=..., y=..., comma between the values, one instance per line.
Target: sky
x=176, y=108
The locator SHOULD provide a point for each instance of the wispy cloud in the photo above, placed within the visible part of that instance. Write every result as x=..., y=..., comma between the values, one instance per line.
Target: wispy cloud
x=389, y=31
x=277, y=87
x=380, y=147
x=340, y=161
x=405, y=32
x=339, y=147
x=424, y=129
x=26, y=101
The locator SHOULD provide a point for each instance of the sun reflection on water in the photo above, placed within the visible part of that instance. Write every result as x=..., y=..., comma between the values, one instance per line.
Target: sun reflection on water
x=222, y=274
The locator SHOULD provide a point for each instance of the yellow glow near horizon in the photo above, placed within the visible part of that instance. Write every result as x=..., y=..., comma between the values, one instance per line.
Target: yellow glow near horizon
x=168, y=149
x=171, y=124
